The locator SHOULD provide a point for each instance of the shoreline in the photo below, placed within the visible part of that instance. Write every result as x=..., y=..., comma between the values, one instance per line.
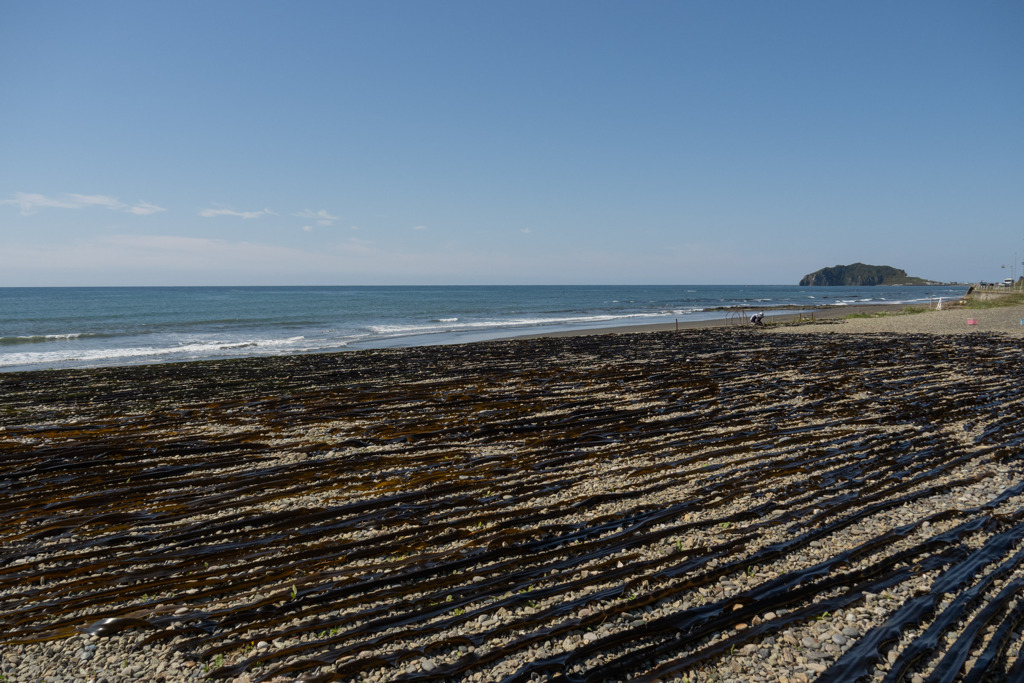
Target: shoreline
x=740, y=319
x=326, y=320
x=952, y=319
x=730, y=318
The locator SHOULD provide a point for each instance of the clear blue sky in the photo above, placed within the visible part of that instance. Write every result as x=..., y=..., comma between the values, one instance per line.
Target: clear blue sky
x=467, y=142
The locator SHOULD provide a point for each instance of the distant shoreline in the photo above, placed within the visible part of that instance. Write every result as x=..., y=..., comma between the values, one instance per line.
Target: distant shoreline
x=952, y=319
x=791, y=313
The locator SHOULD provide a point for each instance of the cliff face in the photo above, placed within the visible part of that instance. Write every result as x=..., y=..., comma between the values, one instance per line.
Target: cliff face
x=859, y=275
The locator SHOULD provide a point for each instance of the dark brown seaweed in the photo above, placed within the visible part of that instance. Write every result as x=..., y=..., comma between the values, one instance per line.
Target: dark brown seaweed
x=485, y=505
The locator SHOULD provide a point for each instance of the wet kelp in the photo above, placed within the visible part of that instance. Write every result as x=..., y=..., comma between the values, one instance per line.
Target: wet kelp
x=584, y=509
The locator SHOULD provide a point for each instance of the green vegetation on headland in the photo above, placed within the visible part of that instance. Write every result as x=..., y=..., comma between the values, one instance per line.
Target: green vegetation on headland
x=860, y=275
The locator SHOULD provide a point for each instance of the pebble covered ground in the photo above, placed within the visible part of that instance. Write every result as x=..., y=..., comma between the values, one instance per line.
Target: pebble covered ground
x=719, y=505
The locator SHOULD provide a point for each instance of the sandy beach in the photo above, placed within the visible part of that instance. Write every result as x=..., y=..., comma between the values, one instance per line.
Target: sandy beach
x=951, y=319
x=836, y=501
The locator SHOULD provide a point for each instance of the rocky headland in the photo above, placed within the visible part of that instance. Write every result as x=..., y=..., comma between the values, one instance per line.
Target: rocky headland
x=860, y=275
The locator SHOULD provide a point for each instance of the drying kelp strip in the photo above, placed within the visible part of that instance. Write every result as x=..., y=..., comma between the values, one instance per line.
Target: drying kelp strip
x=590, y=508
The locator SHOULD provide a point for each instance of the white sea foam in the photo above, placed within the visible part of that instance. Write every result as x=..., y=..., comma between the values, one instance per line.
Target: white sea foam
x=40, y=338
x=127, y=355
x=394, y=330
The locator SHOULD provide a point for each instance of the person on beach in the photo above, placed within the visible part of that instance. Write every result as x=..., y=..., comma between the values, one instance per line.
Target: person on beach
x=757, y=319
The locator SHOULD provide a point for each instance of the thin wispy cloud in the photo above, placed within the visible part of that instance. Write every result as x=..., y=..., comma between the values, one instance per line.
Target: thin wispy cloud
x=419, y=227
x=144, y=209
x=213, y=213
x=321, y=217
x=29, y=203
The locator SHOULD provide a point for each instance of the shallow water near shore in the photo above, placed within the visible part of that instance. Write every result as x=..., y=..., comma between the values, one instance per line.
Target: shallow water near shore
x=61, y=327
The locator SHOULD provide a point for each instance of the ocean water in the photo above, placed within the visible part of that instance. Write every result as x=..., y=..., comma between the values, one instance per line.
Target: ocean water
x=61, y=327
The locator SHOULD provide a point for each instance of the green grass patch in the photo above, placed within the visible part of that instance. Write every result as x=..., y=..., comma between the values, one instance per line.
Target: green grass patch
x=909, y=310
x=1000, y=301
